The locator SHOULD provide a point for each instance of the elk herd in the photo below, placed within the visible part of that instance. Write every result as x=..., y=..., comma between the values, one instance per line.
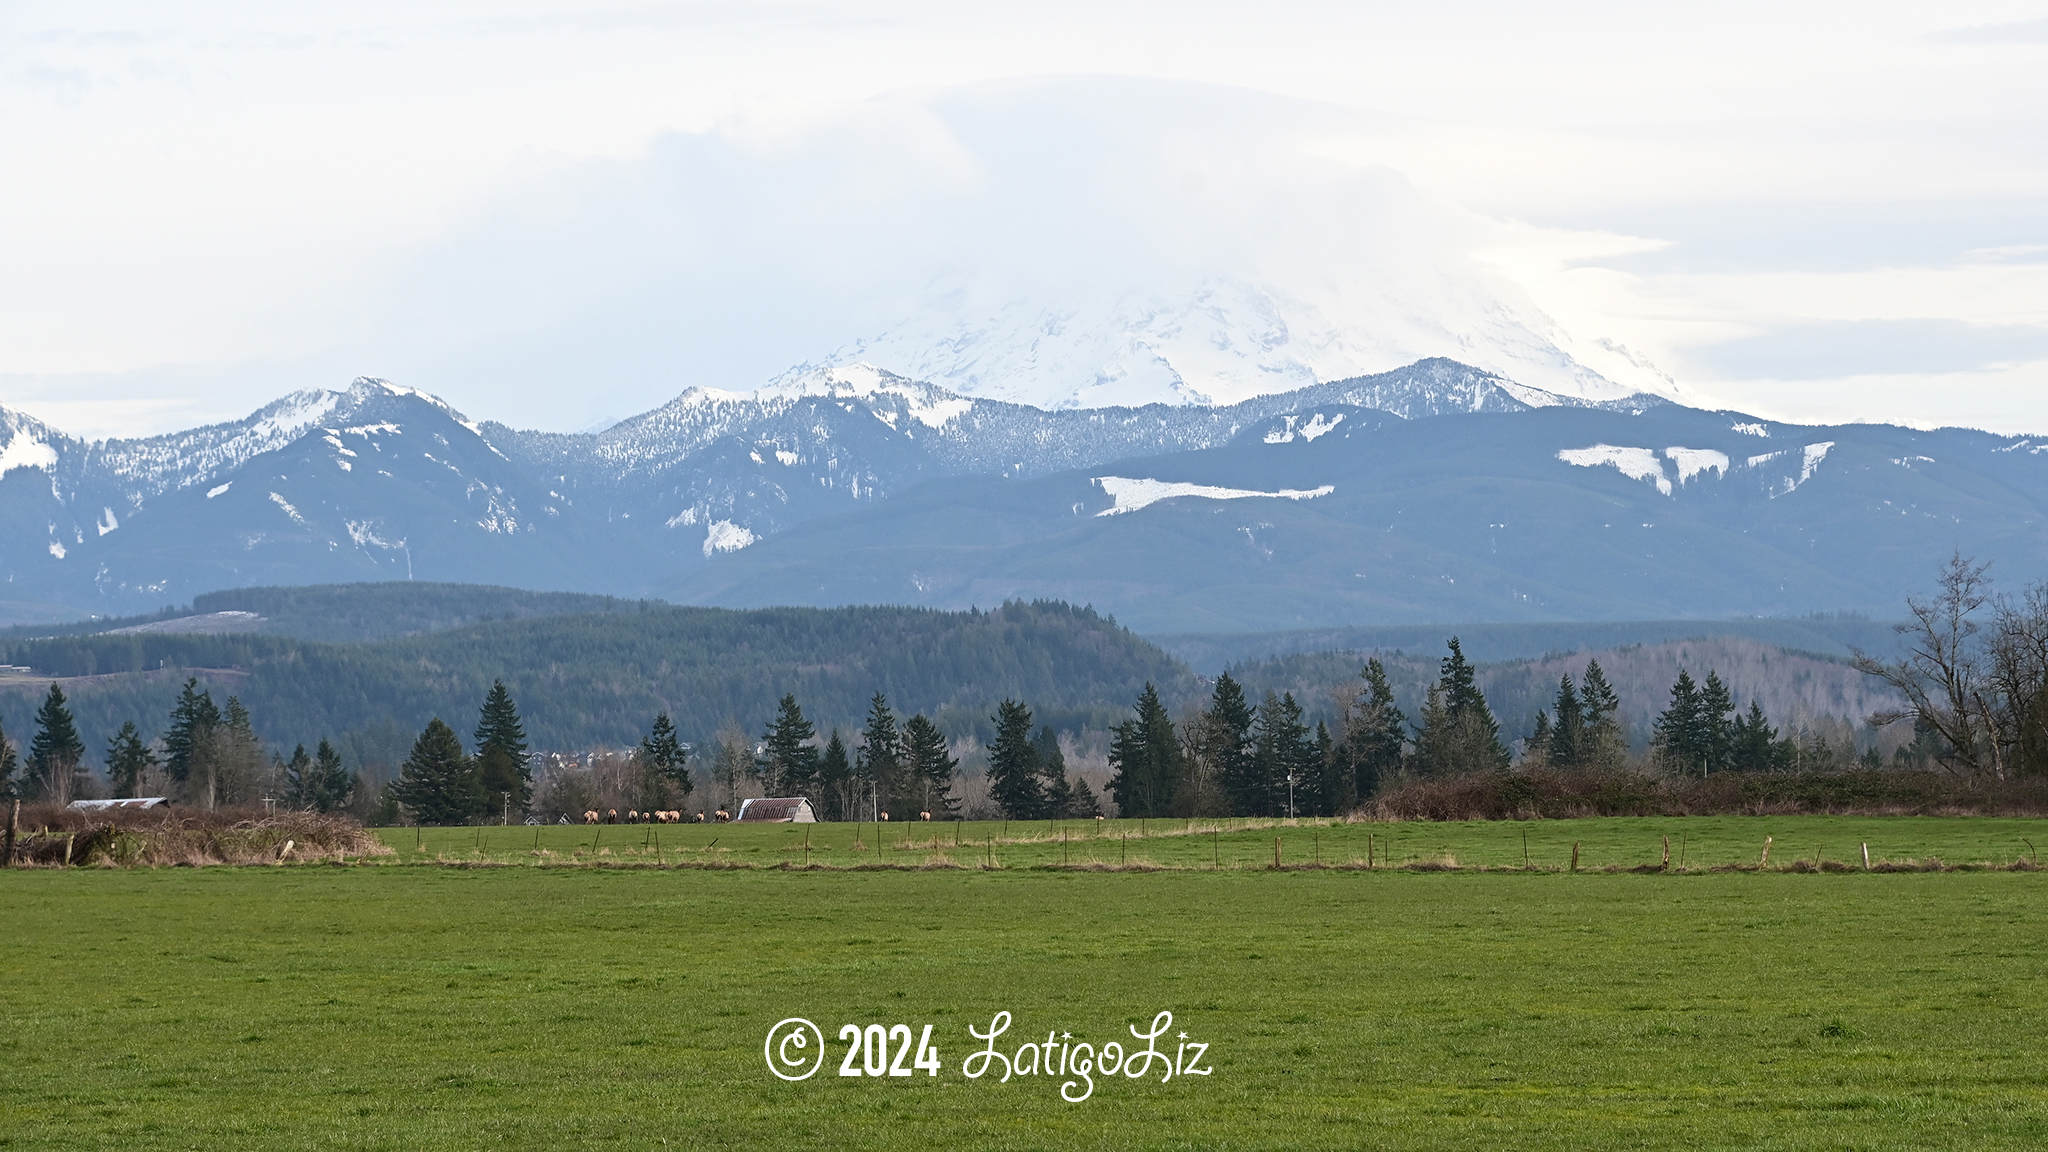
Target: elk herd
x=634, y=816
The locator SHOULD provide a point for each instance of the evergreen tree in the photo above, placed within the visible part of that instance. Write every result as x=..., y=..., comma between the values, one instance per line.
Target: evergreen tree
x=1602, y=745
x=1052, y=765
x=1333, y=783
x=662, y=757
x=1459, y=733
x=1717, y=735
x=56, y=756
x=1568, y=732
x=928, y=768
x=238, y=759
x=1285, y=756
x=1229, y=720
x=502, y=770
x=1680, y=732
x=880, y=760
x=1753, y=742
x=330, y=786
x=9, y=787
x=835, y=780
x=438, y=783
x=299, y=784
x=1376, y=734
x=188, y=741
x=1013, y=768
x=127, y=759
x=1536, y=749
x=789, y=764
x=1081, y=802
x=1145, y=754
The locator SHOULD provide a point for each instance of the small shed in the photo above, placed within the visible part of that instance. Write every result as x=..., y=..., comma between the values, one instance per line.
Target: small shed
x=127, y=802
x=777, y=810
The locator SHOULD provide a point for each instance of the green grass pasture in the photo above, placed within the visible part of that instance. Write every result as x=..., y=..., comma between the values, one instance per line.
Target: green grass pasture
x=1697, y=842
x=523, y=1007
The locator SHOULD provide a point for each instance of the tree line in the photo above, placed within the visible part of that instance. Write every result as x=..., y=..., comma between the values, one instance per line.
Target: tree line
x=208, y=756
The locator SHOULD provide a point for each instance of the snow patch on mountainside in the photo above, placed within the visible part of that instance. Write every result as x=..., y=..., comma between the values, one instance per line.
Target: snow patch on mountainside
x=23, y=450
x=1310, y=429
x=726, y=536
x=290, y=511
x=1693, y=461
x=1634, y=463
x=1133, y=494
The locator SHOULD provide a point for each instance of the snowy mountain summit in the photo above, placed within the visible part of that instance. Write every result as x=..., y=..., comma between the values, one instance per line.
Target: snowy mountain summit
x=1219, y=340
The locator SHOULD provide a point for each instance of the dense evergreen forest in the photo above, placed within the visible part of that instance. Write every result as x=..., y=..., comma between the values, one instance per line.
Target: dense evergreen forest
x=599, y=679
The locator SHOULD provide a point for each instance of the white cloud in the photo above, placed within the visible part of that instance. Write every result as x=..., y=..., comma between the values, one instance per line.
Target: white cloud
x=231, y=201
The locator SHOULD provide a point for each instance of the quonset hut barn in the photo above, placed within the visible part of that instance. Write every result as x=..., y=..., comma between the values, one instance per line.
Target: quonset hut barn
x=777, y=810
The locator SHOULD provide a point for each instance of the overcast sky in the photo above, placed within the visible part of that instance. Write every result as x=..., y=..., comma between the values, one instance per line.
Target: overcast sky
x=553, y=214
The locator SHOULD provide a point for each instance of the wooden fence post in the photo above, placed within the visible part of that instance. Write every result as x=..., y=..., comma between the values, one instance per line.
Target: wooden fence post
x=1765, y=861
x=1667, y=853
x=1866, y=856
x=1276, y=851
x=1575, y=855
x=13, y=819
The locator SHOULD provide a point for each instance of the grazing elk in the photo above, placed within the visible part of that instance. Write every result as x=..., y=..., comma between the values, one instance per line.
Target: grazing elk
x=924, y=815
x=722, y=815
x=700, y=817
x=611, y=816
x=590, y=817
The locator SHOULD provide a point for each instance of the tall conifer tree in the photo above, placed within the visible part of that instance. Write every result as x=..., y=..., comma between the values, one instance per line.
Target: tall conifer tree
x=127, y=759
x=928, y=767
x=1459, y=733
x=1229, y=719
x=55, y=754
x=1681, y=729
x=1753, y=742
x=299, y=784
x=1717, y=734
x=1145, y=756
x=1603, y=745
x=437, y=783
x=1052, y=765
x=1013, y=768
x=189, y=739
x=662, y=755
x=501, y=765
x=1375, y=734
x=1568, y=731
x=835, y=780
x=880, y=760
x=789, y=763
x=329, y=785
x=1286, y=757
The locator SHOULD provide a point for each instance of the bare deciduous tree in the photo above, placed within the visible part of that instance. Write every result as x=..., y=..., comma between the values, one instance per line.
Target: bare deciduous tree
x=1982, y=694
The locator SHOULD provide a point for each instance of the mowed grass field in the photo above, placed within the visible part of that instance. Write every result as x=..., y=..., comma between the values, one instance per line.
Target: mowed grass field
x=1696, y=843
x=384, y=1006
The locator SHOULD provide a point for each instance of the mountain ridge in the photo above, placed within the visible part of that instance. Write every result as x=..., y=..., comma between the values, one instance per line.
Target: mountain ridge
x=380, y=482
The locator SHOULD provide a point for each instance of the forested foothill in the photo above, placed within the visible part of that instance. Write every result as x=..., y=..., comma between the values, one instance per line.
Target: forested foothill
x=1029, y=711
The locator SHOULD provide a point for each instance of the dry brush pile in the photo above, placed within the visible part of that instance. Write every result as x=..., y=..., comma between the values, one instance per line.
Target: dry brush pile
x=50, y=836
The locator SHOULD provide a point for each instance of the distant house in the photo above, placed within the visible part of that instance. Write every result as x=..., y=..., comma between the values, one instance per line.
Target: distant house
x=130, y=802
x=777, y=810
